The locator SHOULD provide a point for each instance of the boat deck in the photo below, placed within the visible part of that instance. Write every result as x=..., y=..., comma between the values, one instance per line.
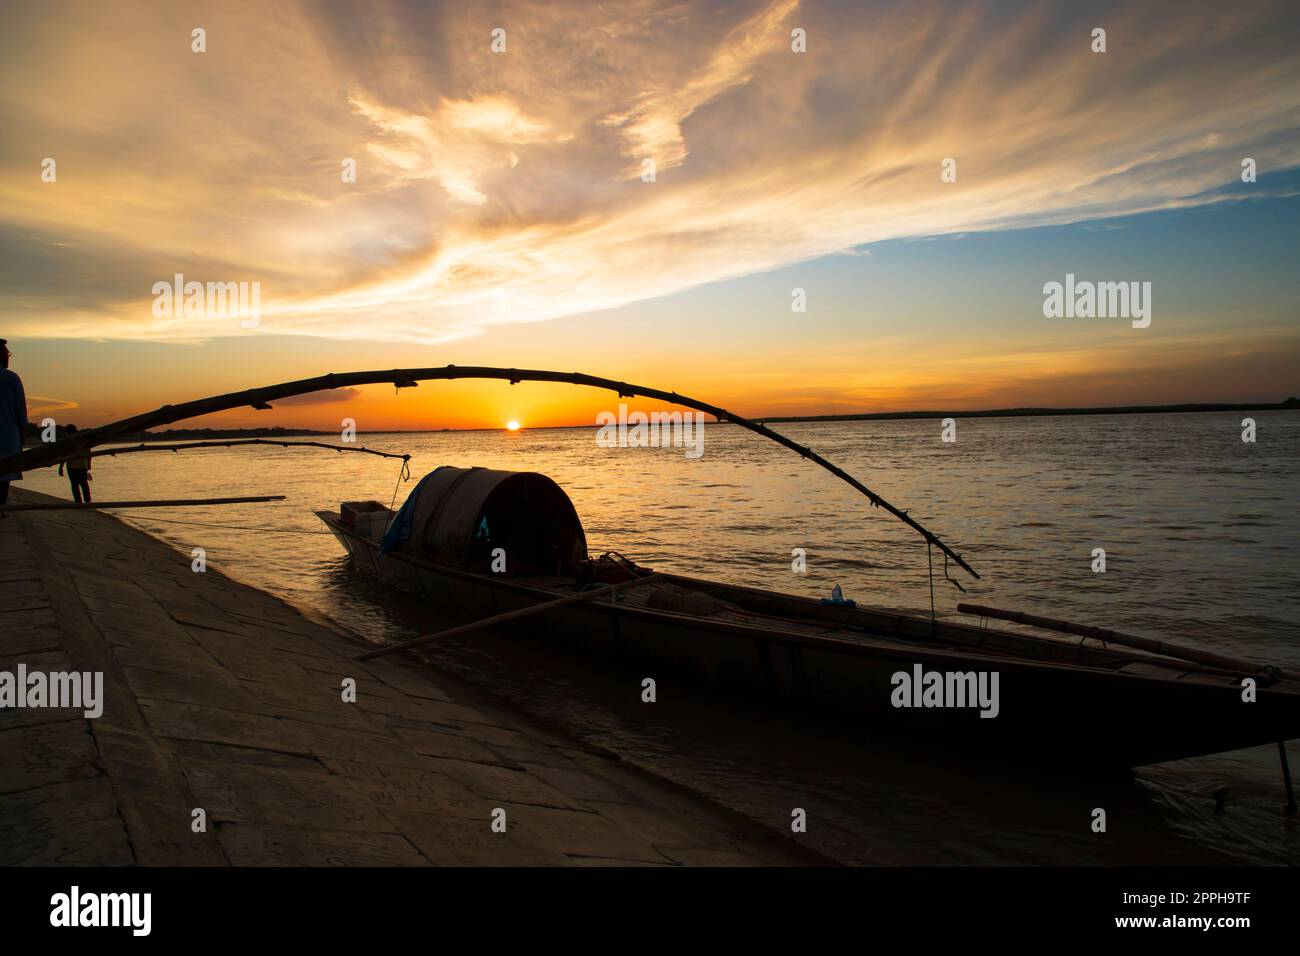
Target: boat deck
x=682, y=596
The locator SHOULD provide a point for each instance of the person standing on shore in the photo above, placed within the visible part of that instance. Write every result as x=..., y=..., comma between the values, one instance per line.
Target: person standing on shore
x=78, y=472
x=13, y=417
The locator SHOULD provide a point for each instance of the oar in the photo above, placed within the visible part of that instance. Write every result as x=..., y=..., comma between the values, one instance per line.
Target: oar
x=170, y=503
x=507, y=616
x=1127, y=640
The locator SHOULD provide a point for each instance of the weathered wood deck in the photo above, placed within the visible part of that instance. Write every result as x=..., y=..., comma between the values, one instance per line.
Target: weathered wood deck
x=221, y=697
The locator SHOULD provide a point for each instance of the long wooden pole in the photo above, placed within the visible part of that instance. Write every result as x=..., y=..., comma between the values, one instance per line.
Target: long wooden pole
x=1286, y=778
x=507, y=616
x=186, y=446
x=1126, y=640
x=261, y=398
x=170, y=503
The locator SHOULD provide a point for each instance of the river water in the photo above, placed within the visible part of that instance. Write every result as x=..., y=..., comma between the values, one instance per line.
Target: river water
x=1200, y=532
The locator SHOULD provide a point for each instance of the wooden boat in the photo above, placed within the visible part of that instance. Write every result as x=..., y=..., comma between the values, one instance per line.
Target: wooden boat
x=1067, y=700
x=1071, y=700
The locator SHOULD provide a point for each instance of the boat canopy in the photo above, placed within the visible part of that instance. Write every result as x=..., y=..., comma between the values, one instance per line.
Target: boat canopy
x=461, y=516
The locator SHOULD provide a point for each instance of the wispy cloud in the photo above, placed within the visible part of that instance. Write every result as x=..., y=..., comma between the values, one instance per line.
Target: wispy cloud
x=40, y=405
x=457, y=144
x=652, y=127
x=505, y=187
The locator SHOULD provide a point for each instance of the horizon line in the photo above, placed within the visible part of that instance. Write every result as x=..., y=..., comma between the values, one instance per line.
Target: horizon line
x=1291, y=404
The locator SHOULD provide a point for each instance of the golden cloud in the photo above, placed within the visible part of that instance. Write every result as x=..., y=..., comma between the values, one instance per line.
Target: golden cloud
x=497, y=187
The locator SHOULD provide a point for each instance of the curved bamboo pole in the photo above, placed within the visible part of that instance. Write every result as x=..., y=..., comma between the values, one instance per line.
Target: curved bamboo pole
x=260, y=398
x=185, y=446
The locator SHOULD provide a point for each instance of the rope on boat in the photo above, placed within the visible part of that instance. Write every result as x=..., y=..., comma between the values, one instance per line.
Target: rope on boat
x=403, y=475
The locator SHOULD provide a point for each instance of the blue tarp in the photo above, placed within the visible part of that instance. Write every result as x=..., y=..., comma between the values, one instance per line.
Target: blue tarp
x=837, y=598
x=400, y=530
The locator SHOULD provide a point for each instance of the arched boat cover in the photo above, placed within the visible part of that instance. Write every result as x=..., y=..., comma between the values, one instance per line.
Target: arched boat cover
x=460, y=516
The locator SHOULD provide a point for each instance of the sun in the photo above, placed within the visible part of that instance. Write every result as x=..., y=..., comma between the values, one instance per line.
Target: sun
x=512, y=425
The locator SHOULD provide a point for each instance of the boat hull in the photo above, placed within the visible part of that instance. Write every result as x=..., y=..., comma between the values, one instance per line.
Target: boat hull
x=1048, y=712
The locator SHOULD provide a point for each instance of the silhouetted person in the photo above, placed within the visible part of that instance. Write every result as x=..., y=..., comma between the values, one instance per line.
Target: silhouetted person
x=78, y=472
x=13, y=417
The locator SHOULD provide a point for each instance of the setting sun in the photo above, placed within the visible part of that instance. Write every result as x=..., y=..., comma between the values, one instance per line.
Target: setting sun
x=512, y=426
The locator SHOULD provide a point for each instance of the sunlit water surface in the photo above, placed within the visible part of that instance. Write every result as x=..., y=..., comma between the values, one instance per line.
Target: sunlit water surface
x=1200, y=531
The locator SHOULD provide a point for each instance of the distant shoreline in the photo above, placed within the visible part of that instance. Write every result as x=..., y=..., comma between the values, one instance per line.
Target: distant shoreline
x=1289, y=405
x=1292, y=404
